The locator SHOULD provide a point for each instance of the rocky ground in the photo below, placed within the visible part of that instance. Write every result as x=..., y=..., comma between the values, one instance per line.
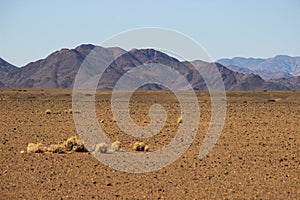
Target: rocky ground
x=256, y=157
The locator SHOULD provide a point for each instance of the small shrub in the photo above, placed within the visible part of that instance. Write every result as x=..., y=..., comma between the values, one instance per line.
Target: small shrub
x=147, y=148
x=56, y=148
x=116, y=146
x=36, y=148
x=139, y=146
x=74, y=144
x=135, y=146
x=102, y=147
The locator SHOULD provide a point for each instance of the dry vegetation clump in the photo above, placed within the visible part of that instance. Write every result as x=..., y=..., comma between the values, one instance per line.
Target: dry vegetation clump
x=102, y=147
x=147, y=148
x=36, y=148
x=56, y=148
x=105, y=148
x=74, y=144
x=140, y=146
x=116, y=146
x=71, y=144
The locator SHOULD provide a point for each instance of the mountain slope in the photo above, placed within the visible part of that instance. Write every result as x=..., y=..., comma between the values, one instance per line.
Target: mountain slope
x=59, y=70
x=56, y=71
x=5, y=69
x=272, y=68
x=292, y=83
x=266, y=75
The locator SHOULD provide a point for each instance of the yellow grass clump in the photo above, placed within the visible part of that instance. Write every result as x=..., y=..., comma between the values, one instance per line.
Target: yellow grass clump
x=74, y=144
x=116, y=146
x=106, y=148
x=56, y=148
x=36, y=148
x=71, y=144
x=102, y=147
x=147, y=148
x=140, y=146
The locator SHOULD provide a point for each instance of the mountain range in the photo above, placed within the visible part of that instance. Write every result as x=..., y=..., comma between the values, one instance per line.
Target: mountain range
x=58, y=70
x=280, y=66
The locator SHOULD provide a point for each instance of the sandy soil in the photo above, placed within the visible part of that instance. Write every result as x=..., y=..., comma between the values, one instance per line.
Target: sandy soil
x=256, y=157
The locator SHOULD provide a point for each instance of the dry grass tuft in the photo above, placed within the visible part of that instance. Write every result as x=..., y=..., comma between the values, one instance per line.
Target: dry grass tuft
x=102, y=147
x=56, y=148
x=36, y=148
x=147, y=148
x=140, y=146
x=74, y=144
x=106, y=148
x=116, y=146
x=135, y=146
x=71, y=144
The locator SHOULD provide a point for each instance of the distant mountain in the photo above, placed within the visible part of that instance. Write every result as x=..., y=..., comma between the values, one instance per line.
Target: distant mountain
x=55, y=71
x=292, y=83
x=272, y=68
x=266, y=75
x=239, y=69
x=5, y=68
x=59, y=69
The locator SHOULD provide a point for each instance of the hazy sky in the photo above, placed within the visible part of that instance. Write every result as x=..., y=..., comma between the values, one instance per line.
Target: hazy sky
x=32, y=29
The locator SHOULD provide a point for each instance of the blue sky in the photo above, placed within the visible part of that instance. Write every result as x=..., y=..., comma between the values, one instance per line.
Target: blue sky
x=32, y=29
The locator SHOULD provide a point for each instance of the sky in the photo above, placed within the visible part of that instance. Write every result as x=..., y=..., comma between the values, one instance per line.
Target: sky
x=32, y=29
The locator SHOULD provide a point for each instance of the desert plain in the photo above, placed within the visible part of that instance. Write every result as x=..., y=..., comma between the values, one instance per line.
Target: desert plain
x=256, y=157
